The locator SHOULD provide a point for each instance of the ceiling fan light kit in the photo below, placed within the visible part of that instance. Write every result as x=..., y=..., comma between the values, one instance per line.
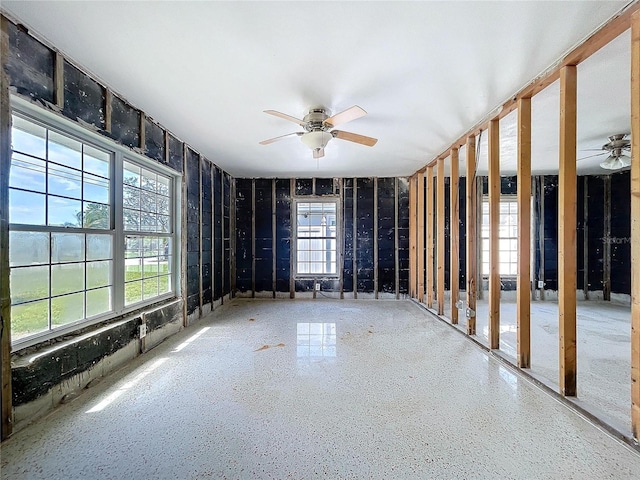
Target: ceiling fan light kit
x=616, y=162
x=616, y=147
x=318, y=126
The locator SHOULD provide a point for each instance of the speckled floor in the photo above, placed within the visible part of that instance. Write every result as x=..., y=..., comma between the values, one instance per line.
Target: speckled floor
x=343, y=389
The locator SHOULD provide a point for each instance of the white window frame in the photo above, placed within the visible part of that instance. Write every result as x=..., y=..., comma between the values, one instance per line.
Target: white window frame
x=56, y=122
x=484, y=227
x=294, y=250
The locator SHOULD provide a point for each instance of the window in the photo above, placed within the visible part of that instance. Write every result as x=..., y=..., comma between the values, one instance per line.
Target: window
x=316, y=238
x=68, y=216
x=508, y=236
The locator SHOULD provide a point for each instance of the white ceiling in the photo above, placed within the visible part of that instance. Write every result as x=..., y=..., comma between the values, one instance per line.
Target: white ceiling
x=424, y=71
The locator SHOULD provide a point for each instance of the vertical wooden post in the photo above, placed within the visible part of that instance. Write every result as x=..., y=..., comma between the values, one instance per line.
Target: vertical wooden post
x=413, y=237
x=494, y=234
x=420, y=242
x=58, y=80
x=567, y=231
x=454, y=234
x=523, y=292
x=430, y=260
x=108, y=115
x=635, y=225
x=6, y=404
x=472, y=257
x=440, y=241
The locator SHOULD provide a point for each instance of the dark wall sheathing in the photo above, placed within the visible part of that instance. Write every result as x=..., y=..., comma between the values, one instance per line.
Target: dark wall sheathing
x=259, y=267
x=154, y=141
x=386, y=235
x=244, y=234
x=403, y=235
x=192, y=172
x=364, y=234
x=620, y=240
x=84, y=98
x=263, y=235
x=462, y=232
x=550, y=233
x=176, y=149
x=283, y=234
x=125, y=123
x=217, y=233
x=347, y=220
x=580, y=224
x=207, y=232
x=30, y=65
x=595, y=226
x=226, y=222
x=447, y=233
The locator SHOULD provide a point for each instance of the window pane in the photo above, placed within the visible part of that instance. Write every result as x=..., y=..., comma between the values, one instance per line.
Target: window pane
x=164, y=224
x=131, y=174
x=96, y=162
x=64, y=150
x=98, y=274
x=133, y=247
x=28, y=173
x=28, y=137
x=67, y=278
x=163, y=185
x=148, y=180
x=98, y=247
x=67, y=247
x=96, y=215
x=29, y=283
x=28, y=248
x=132, y=292
x=26, y=208
x=131, y=197
x=150, y=267
x=65, y=181
x=96, y=189
x=162, y=204
x=133, y=269
x=29, y=318
x=64, y=212
x=150, y=287
x=67, y=309
x=131, y=219
x=98, y=301
x=164, y=284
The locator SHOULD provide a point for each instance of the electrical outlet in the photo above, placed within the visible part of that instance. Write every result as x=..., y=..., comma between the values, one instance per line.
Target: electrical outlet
x=540, y=284
x=317, y=287
x=143, y=330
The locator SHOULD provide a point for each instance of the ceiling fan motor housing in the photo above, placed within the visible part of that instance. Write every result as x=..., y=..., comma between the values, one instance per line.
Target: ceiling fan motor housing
x=315, y=118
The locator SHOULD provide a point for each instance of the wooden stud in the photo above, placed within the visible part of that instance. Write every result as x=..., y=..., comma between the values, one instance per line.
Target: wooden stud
x=143, y=132
x=420, y=247
x=6, y=404
x=523, y=290
x=396, y=237
x=413, y=237
x=454, y=233
x=375, y=237
x=440, y=241
x=635, y=226
x=567, y=231
x=472, y=258
x=108, y=119
x=494, y=234
x=430, y=243
x=58, y=80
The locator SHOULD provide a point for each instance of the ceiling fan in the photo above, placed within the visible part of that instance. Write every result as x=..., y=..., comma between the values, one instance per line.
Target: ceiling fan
x=318, y=125
x=617, y=148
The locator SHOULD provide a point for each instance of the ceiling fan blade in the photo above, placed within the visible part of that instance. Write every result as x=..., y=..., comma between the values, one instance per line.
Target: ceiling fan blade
x=285, y=116
x=591, y=156
x=354, y=137
x=318, y=153
x=345, y=116
x=275, y=139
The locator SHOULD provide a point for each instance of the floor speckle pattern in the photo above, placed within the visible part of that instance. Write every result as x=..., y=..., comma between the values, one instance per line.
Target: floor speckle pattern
x=359, y=389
